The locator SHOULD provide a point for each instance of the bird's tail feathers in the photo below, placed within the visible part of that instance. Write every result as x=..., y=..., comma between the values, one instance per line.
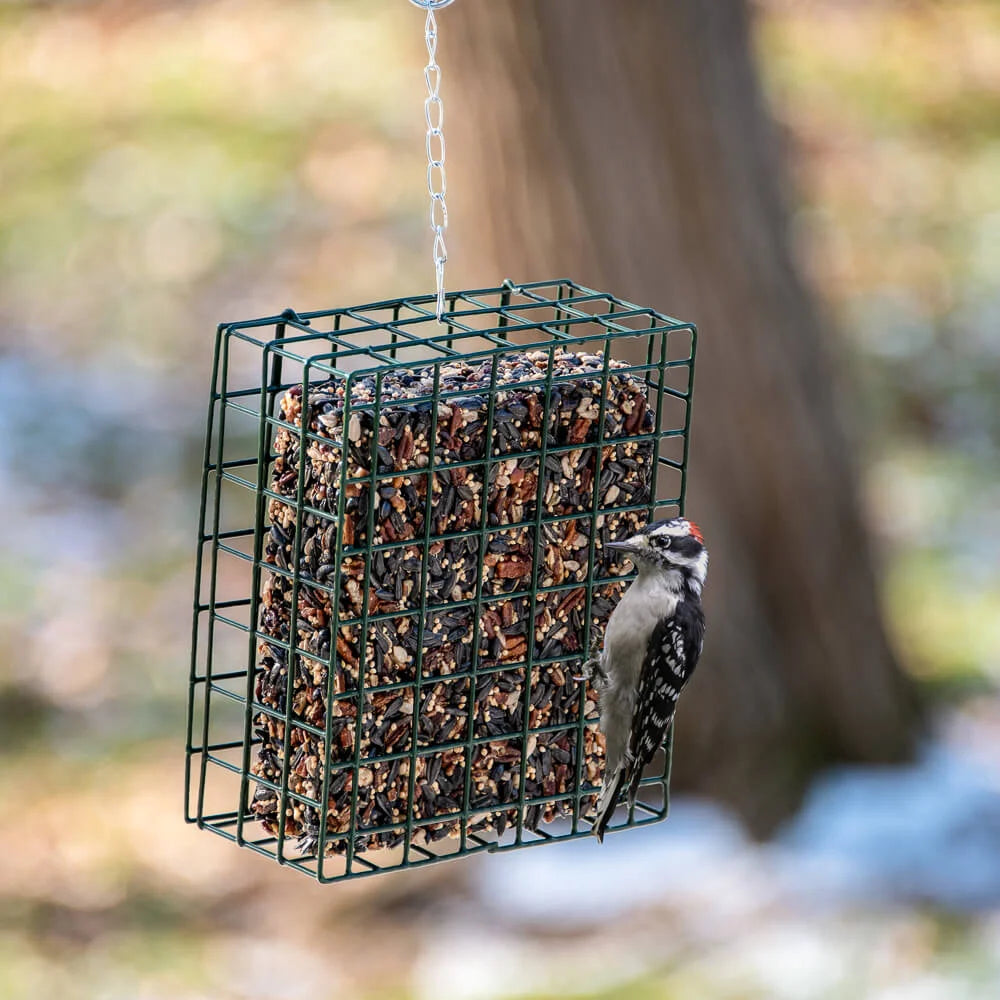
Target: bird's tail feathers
x=608, y=801
x=633, y=786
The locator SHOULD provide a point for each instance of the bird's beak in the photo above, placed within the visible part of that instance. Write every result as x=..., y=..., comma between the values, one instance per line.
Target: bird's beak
x=633, y=545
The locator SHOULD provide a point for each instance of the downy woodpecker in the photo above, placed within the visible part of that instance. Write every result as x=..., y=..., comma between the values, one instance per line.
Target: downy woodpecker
x=651, y=647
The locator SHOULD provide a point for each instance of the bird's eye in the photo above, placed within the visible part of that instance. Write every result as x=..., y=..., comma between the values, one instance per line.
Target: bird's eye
x=665, y=542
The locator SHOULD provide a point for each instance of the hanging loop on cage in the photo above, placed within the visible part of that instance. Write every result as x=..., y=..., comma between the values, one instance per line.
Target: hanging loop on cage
x=437, y=182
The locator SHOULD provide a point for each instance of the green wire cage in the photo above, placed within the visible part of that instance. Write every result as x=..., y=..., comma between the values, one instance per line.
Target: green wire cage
x=401, y=568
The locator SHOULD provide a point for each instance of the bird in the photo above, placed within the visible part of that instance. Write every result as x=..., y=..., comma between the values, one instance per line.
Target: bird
x=652, y=644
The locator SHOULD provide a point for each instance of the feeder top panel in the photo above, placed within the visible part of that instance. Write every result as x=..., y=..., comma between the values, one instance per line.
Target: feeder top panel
x=480, y=323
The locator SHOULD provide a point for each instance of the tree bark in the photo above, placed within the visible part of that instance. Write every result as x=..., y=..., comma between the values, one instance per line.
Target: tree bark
x=626, y=145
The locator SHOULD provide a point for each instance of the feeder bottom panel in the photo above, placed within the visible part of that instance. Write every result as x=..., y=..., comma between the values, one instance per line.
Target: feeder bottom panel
x=453, y=719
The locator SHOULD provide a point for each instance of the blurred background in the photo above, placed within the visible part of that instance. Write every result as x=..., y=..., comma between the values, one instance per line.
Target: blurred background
x=815, y=182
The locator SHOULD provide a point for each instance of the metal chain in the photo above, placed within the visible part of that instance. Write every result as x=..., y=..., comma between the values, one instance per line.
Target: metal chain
x=437, y=184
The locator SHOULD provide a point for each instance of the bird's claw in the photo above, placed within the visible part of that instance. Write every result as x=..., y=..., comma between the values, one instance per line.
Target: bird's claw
x=592, y=672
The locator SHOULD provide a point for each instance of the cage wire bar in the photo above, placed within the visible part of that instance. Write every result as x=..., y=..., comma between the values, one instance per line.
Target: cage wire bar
x=255, y=364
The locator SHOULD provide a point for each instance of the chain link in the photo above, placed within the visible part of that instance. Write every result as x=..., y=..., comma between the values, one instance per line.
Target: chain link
x=437, y=182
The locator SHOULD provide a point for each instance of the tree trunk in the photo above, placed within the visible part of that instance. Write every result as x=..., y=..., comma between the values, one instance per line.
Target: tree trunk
x=626, y=145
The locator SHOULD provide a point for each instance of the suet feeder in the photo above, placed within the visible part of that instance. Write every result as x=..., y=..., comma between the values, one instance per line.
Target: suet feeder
x=402, y=563
x=429, y=506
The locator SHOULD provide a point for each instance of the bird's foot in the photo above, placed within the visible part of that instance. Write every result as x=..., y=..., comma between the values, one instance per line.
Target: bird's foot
x=592, y=672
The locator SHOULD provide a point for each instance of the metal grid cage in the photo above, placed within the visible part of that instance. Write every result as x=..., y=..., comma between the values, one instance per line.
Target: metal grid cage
x=279, y=723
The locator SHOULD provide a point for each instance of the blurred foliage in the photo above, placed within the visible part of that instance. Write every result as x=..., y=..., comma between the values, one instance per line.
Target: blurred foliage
x=892, y=112
x=168, y=165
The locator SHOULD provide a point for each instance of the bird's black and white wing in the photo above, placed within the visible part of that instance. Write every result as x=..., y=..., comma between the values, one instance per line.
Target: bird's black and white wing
x=671, y=658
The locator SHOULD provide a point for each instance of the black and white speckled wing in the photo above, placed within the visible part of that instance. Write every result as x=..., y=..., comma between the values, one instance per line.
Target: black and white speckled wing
x=672, y=657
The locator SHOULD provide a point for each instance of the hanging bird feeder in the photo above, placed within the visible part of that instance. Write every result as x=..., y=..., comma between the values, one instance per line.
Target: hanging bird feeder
x=402, y=563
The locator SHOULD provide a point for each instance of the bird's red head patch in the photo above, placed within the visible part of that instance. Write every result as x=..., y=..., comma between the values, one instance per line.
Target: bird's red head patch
x=695, y=532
